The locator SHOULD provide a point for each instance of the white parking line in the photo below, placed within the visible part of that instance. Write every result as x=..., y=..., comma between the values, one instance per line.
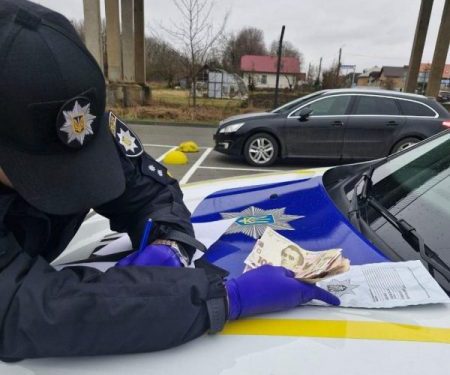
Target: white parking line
x=168, y=146
x=196, y=165
x=155, y=145
x=164, y=155
x=242, y=169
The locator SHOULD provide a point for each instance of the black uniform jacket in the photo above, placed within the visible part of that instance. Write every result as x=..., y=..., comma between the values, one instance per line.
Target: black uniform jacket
x=82, y=311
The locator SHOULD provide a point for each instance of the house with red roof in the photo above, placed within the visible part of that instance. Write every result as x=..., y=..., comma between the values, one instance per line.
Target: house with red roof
x=261, y=71
x=425, y=68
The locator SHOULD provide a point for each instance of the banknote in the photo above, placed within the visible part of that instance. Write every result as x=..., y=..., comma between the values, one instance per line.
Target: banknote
x=311, y=266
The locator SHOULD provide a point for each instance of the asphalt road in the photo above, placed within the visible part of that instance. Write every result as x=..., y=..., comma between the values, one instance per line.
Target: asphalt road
x=206, y=164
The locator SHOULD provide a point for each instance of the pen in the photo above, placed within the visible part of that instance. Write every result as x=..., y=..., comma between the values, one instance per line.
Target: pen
x=144, y=239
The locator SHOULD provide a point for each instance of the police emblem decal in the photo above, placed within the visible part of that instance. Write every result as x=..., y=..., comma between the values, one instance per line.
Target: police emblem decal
x=340, y=287
x=253, y=221
x=74, y=122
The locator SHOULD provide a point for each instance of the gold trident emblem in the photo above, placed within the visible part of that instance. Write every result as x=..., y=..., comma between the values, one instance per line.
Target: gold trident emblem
x=249, y=220
x=78, y=124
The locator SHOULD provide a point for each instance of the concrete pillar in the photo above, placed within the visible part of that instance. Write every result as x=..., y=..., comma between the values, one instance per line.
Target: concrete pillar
x=440, y=53
x=113, y=40
x=93, y=29
x=128, y=40
x=418, y=44
x=139, y=41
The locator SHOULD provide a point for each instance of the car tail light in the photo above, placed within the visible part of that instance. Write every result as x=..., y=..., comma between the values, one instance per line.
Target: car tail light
x=446, y=123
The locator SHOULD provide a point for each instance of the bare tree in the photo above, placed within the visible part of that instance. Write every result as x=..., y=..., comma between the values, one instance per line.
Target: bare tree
x=330, y=80
x=288, y=50
x=248, y=41
x=163, y=62
x=311, y=74
x=79, y=27
x=291, y=80
x=195, y=34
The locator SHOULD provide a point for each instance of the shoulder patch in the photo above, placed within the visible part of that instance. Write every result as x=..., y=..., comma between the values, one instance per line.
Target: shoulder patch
x=150, y=167
x=128, y=142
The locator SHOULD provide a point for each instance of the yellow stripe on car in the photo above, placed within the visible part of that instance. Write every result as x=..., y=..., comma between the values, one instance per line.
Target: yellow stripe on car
x=341, y=329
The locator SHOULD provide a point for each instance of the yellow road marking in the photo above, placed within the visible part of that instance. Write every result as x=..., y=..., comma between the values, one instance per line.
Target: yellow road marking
x=338, y=329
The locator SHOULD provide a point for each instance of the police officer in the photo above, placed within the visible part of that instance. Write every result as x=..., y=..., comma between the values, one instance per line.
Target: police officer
x=60, y=156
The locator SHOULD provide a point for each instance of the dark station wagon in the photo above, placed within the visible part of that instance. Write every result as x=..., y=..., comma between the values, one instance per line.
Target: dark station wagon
x=355, y=124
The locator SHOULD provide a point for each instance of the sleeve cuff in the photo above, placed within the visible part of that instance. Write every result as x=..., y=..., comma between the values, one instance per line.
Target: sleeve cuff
x=217, y=314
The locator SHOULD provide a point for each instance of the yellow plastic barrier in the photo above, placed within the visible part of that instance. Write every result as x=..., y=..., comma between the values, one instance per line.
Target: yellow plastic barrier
x=188, y=146
x=175, y=157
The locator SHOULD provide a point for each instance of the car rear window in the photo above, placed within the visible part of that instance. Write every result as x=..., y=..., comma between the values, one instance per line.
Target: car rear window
x=410, y=108
x=373, y=105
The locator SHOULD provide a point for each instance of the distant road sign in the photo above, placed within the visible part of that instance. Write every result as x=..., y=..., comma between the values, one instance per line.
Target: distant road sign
x=348, y=66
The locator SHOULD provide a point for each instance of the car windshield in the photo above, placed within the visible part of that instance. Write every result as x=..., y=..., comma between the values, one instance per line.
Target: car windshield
x=415, y=186
x=295, y=103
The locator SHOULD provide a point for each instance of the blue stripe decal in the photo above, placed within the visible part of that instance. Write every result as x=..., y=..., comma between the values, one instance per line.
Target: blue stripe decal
x=299, y=210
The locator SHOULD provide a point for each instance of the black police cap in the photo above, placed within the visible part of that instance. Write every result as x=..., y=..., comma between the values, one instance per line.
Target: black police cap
x=54, y=147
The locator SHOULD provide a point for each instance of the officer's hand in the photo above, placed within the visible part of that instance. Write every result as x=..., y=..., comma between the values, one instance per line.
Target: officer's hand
x=152, y=255
x=268, y=289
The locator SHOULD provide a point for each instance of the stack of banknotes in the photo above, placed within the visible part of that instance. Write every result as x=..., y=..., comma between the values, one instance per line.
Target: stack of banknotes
x=309, y=266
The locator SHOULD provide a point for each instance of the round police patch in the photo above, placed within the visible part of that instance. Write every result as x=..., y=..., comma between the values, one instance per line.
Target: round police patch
x=74, y=123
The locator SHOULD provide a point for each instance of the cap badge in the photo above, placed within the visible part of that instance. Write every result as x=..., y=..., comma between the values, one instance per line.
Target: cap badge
x=77, y=123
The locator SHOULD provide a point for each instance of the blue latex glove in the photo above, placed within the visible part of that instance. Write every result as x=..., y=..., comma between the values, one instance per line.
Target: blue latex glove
x=268, y=289
x=152, y=255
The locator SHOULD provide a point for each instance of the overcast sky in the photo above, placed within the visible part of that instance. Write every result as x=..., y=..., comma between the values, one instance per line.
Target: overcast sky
x=374, y=32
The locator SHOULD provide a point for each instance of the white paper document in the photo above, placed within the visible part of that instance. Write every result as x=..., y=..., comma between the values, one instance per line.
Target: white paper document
x=385, y=285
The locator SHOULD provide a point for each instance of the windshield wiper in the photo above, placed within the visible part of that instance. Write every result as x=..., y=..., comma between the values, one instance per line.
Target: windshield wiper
x=414, y=239
x=366, y=179
x=408, y=232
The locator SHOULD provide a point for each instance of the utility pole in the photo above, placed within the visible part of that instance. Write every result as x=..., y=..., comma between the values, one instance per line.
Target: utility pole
x=353, y=76
x=320, y=71
x=280, y=50
x=440, y=53
x=338, y=67
x=423, y=21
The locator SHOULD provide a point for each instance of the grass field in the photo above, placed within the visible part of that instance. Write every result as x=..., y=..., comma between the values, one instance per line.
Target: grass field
x=176, y=106
x=181, y=97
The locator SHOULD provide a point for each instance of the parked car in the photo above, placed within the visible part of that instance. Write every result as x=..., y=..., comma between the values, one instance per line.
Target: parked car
x=443, y=96
x=352, y=124
x=315, y=209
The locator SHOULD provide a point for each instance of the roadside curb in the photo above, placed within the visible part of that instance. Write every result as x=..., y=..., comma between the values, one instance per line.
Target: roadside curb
x=169, y=123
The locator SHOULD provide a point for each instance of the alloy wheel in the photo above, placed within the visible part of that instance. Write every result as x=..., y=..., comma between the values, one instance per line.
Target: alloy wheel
x=261, y=150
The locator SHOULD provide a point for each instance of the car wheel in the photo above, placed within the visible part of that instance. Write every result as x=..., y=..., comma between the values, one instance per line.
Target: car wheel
x=404, y=144
x=261, y=150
